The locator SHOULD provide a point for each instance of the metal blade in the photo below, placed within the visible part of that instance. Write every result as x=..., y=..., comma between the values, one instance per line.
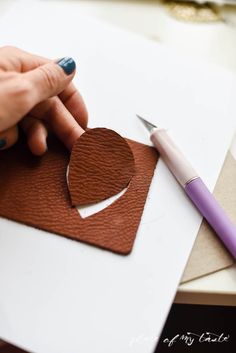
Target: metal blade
x=149, y=126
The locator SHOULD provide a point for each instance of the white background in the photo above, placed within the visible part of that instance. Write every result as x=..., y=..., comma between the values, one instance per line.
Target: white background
x=59, y=295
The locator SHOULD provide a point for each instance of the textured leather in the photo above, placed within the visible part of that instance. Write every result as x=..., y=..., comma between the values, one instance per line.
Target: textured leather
x=101, y=165
x=34, y=192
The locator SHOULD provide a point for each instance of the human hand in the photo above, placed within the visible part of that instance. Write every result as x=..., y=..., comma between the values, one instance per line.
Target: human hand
x=37, y=94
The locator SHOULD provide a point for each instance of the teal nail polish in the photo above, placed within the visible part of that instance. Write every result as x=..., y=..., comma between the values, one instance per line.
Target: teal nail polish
x=67, y=64
x=2, y=143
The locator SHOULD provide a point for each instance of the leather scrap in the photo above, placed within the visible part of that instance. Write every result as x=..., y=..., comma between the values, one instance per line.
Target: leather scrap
x=34, y=192
x=101, y=165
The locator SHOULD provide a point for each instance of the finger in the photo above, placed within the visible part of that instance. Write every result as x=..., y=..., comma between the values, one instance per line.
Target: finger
x=19, y=93
x=49, y=80
x=22, y=61
x=8, y=137
x=36, y=133
x=74, y=102
x=59, y=119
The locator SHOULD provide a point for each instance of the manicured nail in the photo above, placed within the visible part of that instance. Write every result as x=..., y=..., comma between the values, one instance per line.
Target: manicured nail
x=67, y=64
x=2, y=143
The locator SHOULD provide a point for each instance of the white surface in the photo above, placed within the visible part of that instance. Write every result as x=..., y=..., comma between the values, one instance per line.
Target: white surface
x=213, y=42
x=63, y=296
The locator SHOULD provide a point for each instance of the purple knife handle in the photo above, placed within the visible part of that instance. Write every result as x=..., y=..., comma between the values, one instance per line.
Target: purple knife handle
x=213, y=213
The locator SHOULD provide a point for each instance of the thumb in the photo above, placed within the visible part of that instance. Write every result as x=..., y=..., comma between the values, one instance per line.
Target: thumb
x=50, y=79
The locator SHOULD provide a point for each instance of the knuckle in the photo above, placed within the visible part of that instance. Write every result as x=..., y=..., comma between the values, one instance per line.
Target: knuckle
x=53, y=105
x=70, y=135
x=50, y=77
x=7, y=78
x=23, y=88
x=22, y=92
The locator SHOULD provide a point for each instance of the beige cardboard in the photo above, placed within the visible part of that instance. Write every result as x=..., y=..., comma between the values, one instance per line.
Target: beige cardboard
x=209, y=254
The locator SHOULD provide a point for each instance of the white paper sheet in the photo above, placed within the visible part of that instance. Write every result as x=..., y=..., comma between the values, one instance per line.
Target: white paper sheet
x=60, y=296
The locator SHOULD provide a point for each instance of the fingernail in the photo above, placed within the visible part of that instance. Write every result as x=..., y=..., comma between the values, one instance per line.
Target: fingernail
x=2, y=143
x=67, y=64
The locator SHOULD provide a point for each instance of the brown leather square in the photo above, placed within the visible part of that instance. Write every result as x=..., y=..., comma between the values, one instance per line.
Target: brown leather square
x=34, y=191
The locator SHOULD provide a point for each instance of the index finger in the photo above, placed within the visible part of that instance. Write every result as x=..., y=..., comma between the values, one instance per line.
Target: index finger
x=74, y=102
